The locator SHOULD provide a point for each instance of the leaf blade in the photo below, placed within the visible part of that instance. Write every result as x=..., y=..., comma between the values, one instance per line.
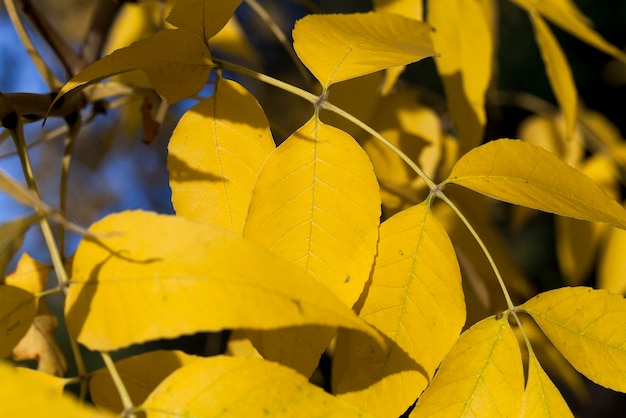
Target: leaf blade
x=205, y=18
x=481, y=376
x=541, y=396
x=214, y=156
x=238, y=386
x=527, y=175
x=17, y=311
x=339, y=47
x=582, y=321
x=154, y=266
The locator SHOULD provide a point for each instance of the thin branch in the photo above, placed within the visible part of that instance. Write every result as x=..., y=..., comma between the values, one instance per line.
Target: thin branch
x=101, y=21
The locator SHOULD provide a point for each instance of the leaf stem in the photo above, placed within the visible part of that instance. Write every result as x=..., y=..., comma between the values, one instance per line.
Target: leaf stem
x=119, y=384
x=507, y=297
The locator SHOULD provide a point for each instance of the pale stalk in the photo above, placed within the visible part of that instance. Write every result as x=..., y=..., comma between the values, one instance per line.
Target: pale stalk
x=119, y=385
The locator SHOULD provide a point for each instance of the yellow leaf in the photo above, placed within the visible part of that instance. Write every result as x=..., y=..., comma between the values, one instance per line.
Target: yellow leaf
x=586, y=326
x=541, y=397
x=242, y=387
x=566, y=15
x=612, y=263
x=27, y=396
x=382, y=381
x=527, y=175
x=51, y=384
x=481, y=376
x=17, y=310
x=239, y=345
x=141, y=374
x=154, y=276
x=40, y=344
x=316, y=203
x=559, y=72
x=29, y=275
x=11, y=238
x=204, y=18
x=549, y=133
x=577, y=242
x=413, y=9
x=177, y=63
x=463, y=38
x=339, y=47
x=215, y=156
x=415, y=292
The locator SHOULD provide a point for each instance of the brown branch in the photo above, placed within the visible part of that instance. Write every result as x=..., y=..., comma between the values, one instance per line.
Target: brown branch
x=101, y=21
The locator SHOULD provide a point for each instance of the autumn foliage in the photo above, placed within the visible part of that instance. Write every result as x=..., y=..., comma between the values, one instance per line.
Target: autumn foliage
x=364, y=235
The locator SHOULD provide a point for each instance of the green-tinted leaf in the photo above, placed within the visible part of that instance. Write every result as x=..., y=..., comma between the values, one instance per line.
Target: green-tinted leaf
x=11, y=238
x=26, y=396
x=215, y=155
x=463, y=38
x=527, y=175
x=17, y=310
x=566, y=15
x=541, y=397
x=339, y=47
x=316, y=203
x=587, y=326
x=384, y=381
x=177, y=62
x=415, y=293
x=154, y=276
x=141, y=374
x=205, y=18
x=481, y=376
x=242, y=387
x=559, y=72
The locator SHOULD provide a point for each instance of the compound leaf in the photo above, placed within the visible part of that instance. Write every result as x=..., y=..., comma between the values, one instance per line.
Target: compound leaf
x=215, y=155
x=153, y=276
x=586, y=326
x=524, y=174
x=339, y=47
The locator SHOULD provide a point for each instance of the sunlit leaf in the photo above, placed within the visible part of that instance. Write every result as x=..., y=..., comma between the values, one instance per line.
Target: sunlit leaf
x=316, y=203
x=141, y=374
x=527, y=175
x=559, y=72
x=29, y=275
x=577, y=242
x=586, y=326
x=11, y=238
x=413, y=9
x=549, y=133
x=566, y=14
x=17, y=310
x=177, y=63
x=205, y=18
x=541, y=397
x=463, y=38
x=481, y=376
x=384, y=381
x=40, y=344
x=415, y=292
x=27, y=396
x=215, y=155
x=49, y=383
x=242, y=387
x=340, y=47
x=154, y=276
